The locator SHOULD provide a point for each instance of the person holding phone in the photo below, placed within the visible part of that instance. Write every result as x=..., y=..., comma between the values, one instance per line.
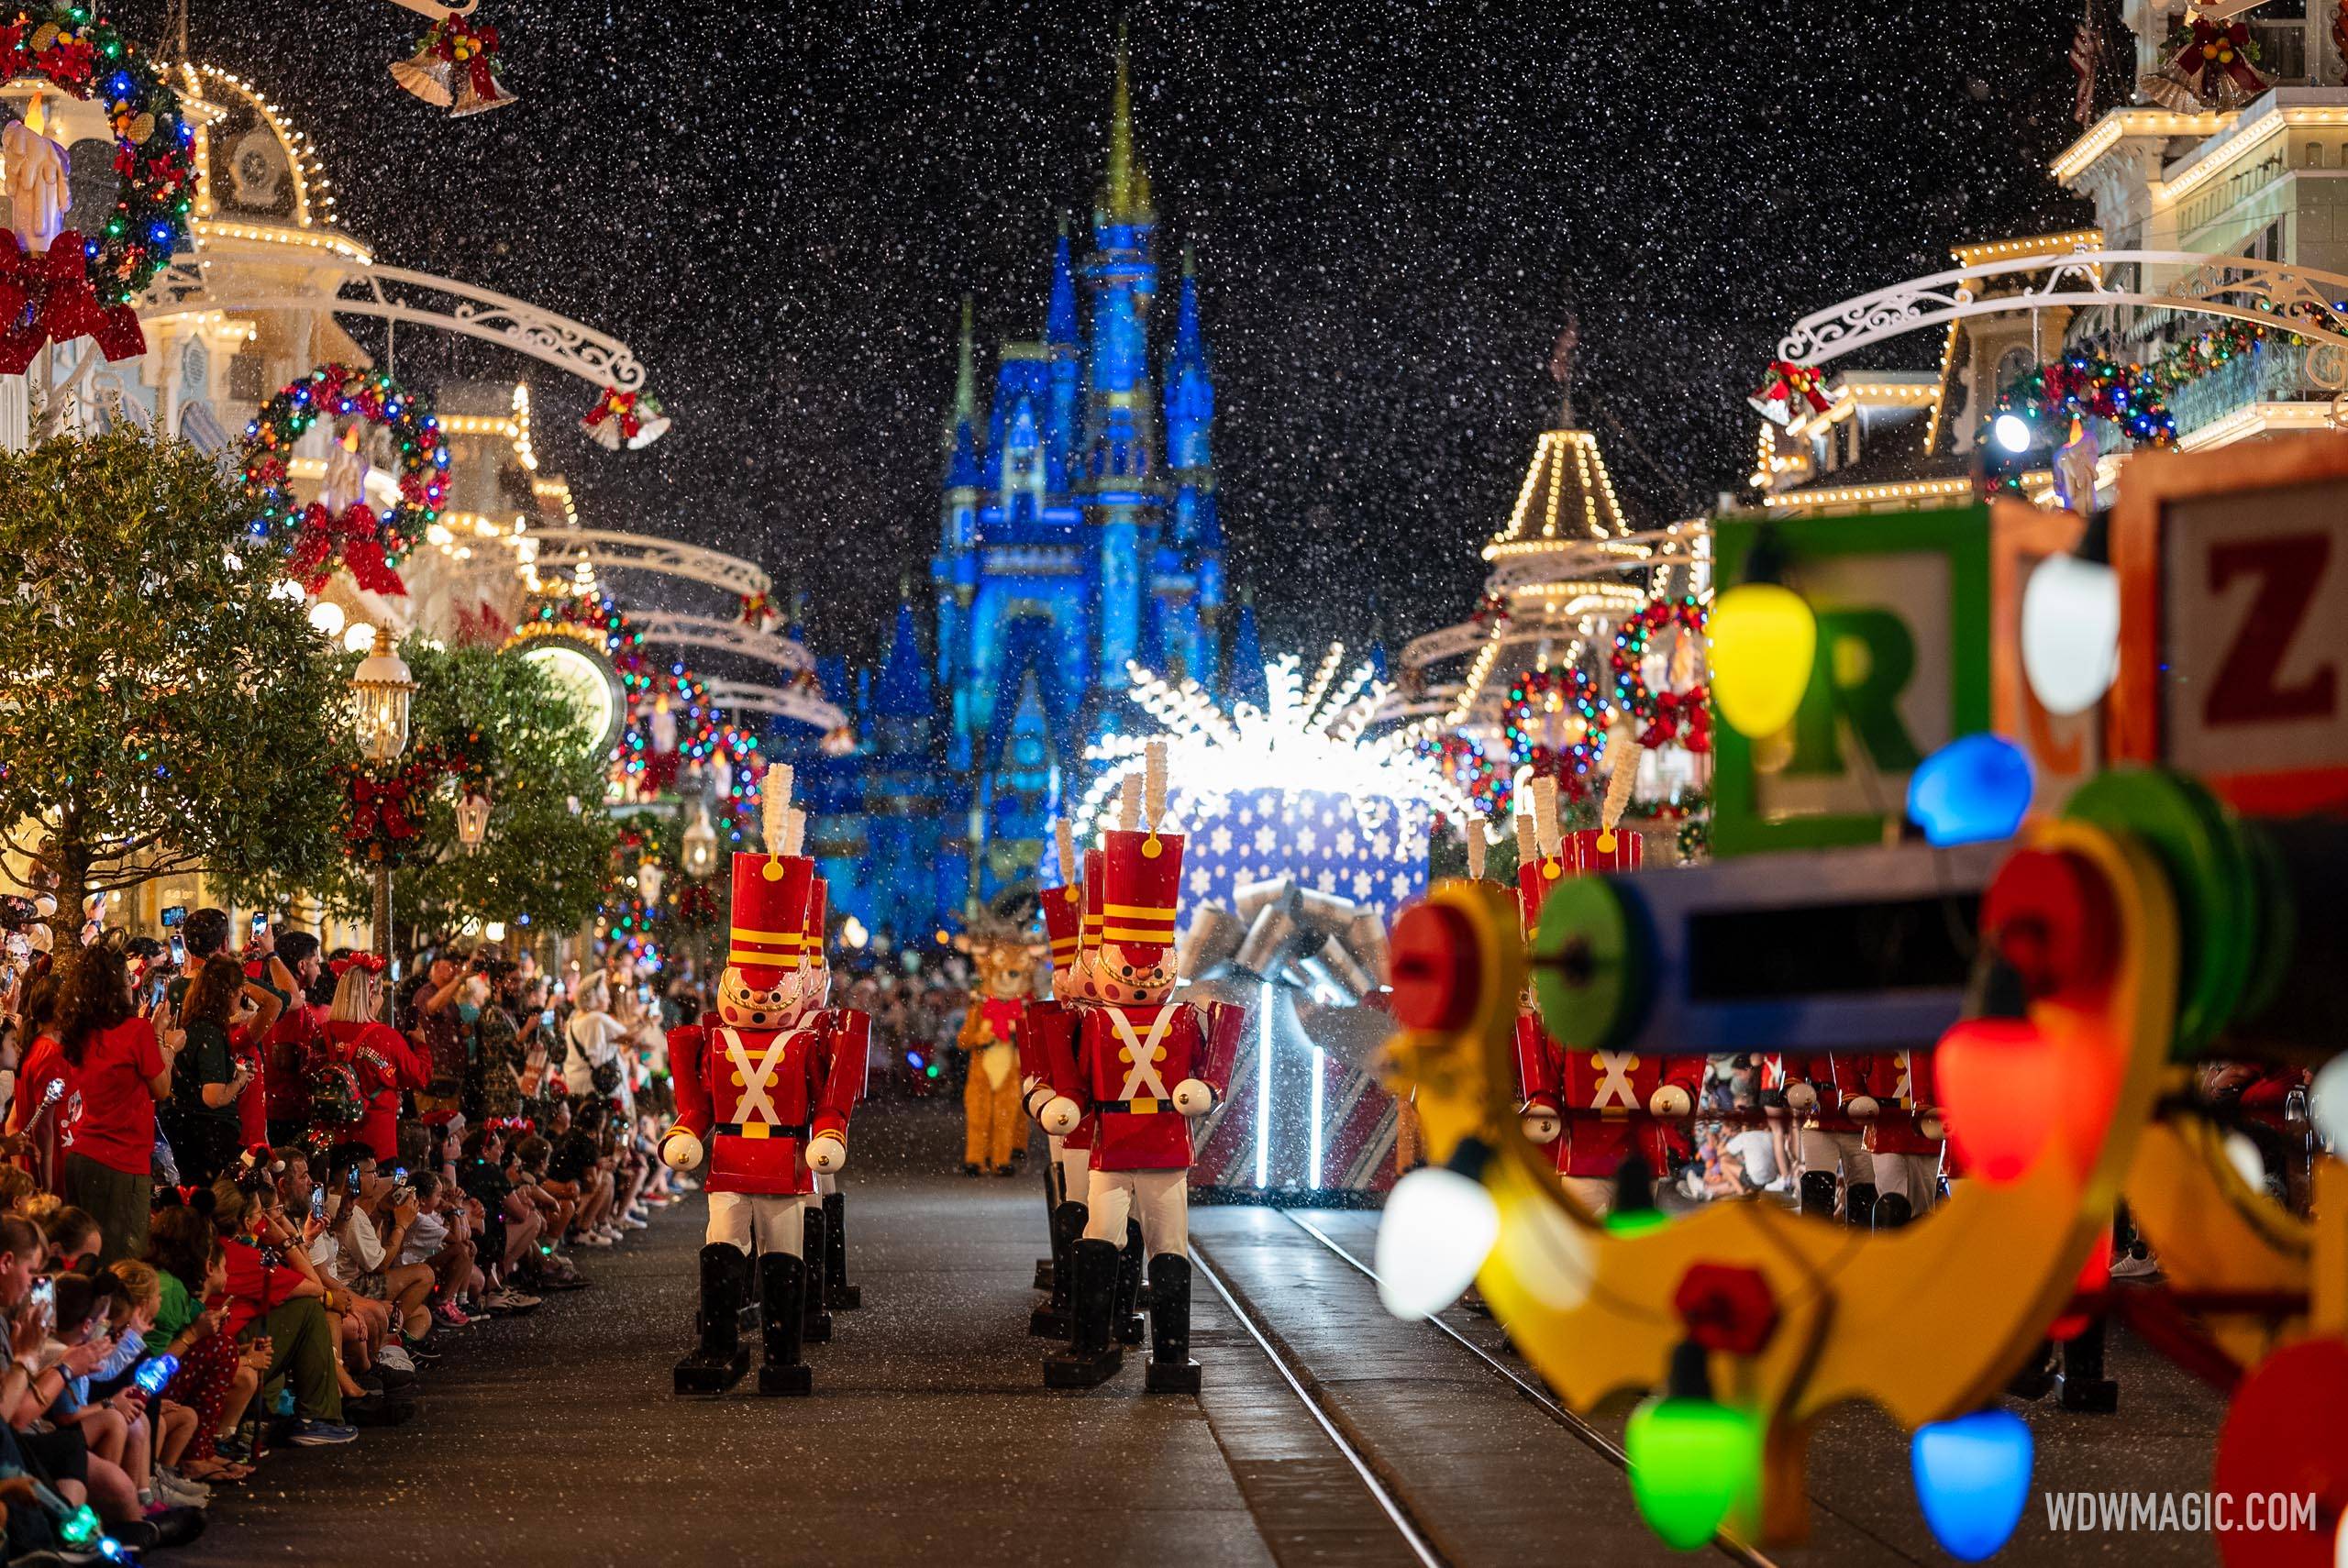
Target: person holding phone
x=121, y=1068
x=211, y=1077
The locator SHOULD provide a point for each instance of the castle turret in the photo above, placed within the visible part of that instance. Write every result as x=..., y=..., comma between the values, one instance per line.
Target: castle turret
x=1191, y=582
x=1065, y=425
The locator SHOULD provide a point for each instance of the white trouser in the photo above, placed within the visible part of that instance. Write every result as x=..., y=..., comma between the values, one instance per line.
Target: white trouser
x=781, y=1222
x=1594, y=1193
x=826, y=1183
x=1822, y=1150
x=1159, y=1199
x=1075, y=1166
x=1915, y=1177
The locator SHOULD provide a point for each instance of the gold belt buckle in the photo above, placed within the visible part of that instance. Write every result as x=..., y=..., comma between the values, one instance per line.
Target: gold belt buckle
x=1142, y=1107
x=756, y=1130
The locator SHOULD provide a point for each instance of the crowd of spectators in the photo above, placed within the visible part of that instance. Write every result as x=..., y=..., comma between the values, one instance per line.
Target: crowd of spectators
x=252, y=1190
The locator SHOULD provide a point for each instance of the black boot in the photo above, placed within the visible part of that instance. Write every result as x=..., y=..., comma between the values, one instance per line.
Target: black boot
x=1092, y=1356
x=1131, y=1331
x=839, y=1294
x=1818, y=1194
x=1052, y=1320
x=1892, y=1211
x=722, y=1358
x=782, y=1281
x=1858, y=1203
x=1170, y=1368
x=815, y=1322
x=1051, y=1268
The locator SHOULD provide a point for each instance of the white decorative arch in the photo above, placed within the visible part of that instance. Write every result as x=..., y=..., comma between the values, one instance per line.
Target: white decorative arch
x=211, y=281
x=2309, y=302
x=610, y=548
x=683, y=630
x=784, y=702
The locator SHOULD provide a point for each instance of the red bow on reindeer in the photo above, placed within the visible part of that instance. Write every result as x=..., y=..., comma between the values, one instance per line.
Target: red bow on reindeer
x=50, y=298
x=356, y=538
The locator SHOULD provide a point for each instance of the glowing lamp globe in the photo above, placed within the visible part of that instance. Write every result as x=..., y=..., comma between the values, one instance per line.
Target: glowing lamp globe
x=380, y=692
x=1973, y=791
x=1439, y=1228
x=2012, y=432
x=1973, y=1479
x=1692, y=1460
x=2070, y=633
x=1764, y=639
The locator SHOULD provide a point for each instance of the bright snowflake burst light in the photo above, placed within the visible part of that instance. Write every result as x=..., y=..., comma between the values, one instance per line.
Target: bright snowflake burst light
x=1305, y=740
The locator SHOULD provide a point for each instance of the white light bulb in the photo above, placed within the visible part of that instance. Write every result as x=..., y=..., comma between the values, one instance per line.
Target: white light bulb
x=1439, y=1228
x=326, y=616
x=2010, y=431
x=2070, y=633
x=359, y=637
x=2328, y=1101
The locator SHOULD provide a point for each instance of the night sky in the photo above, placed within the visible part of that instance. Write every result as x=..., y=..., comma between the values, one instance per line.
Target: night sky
x=1393, y=205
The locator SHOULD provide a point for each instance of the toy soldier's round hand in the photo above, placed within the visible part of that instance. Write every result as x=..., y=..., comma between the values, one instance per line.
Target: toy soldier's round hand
x=1928, y=1122
x=1862, y=1105
x=1670, y=1099
x=1060, y=1116
x=680, y=1150
x=1540, y=1123
x=1037, y=1100
x=1801, y=1097
x=1194, y=1097
x=826, y=1153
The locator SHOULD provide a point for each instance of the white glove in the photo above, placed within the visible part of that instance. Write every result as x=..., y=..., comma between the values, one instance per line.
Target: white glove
x=1928, y=1124
x=1037, y=1100
x=826, y=1153
x=1862, y=1107
x=1194, y=1097
x=680, y=1150
x=1801, y=1097
x=1540, y=1124
x=1669, y=1100
x=1060, y=1116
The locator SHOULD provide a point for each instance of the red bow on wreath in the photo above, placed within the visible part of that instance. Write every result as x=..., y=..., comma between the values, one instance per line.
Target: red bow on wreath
x=1685, y=716
x=1788, y=381
x=49, y=297
x=380, y=805
x=356, y=538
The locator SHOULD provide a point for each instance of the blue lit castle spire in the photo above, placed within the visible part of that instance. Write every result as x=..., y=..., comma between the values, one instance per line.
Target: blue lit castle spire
x=1077, y=530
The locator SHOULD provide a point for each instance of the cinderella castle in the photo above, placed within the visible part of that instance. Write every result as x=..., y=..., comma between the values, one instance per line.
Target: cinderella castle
x=1077, y=532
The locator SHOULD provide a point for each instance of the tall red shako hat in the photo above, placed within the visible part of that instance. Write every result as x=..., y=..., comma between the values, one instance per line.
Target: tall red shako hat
x=1095, y=887
x=1064, y=905
x=819, y=899
x=1538, y=869
x=1142, y=869
x=768, y=932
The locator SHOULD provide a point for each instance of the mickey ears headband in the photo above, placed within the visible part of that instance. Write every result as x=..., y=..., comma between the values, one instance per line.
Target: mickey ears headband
x=372, y=963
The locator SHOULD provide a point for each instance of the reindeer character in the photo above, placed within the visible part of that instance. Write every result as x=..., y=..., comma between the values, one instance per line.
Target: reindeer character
x=1003, y=961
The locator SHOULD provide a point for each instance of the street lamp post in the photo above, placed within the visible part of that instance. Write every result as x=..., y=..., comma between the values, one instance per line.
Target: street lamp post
x=379, y=692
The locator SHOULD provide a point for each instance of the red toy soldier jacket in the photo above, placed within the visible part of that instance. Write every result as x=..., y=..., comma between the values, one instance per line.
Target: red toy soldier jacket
x=1048, y=1035
x=1122, y=1068
x=1902, y=1083
x=1836, y=1076
x=1604, y=1095
x=754, y=1097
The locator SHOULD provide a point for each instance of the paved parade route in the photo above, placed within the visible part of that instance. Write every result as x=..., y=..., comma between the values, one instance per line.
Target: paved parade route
x=930, y=1438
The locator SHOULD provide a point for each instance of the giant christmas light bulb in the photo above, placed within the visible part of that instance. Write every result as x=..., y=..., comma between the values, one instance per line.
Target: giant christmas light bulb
x=1439, y=1226
x=1765, y=640
x=2070, y=632
x=1973, y=1479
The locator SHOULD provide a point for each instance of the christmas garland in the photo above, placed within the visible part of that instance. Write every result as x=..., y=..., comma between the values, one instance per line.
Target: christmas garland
x=2089, y=383
x=1674, y=713
x=1535, y=692
x=1474, y=774
x=647, y=758
x=86, y=285
x=370, y=546
x=382, y=809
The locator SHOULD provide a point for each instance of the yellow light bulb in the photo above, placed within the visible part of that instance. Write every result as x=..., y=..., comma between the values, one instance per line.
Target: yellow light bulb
x=1764, y=641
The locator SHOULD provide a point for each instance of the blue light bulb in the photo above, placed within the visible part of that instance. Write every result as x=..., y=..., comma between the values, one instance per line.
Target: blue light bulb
x=1973, y=1480
x=1972, y=790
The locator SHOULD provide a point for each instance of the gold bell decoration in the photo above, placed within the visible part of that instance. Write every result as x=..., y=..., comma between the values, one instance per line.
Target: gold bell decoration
x=425, y=73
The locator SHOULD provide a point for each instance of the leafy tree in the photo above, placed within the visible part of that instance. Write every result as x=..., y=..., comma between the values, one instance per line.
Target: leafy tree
x=165, y=706
x=542, y=865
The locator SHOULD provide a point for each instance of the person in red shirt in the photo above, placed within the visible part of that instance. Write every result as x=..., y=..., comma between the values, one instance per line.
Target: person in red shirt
x=121, y=1068
x=34, y=1114
x=275, y=1297
x=298, y=1029
x=380, y=1056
